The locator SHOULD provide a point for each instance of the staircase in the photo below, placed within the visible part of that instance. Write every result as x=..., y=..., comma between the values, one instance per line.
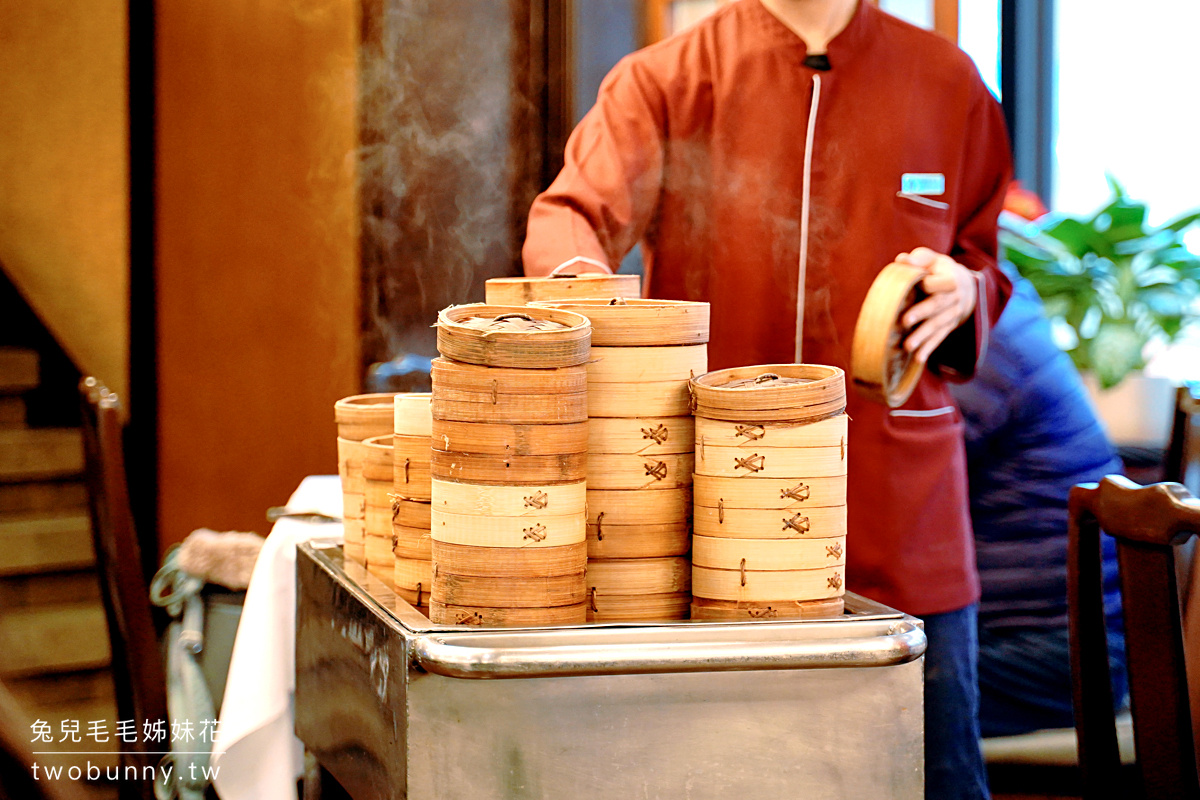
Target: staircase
x=54, y=651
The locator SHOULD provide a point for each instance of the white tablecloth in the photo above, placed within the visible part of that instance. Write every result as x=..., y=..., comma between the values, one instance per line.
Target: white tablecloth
x=256, y=752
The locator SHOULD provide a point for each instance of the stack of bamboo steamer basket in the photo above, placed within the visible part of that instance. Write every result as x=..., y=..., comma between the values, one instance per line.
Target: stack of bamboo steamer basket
x=412, y=568
x=509, y=466
x=519, y=291
x=640, y=454
x=359, y=417
x=770, y=492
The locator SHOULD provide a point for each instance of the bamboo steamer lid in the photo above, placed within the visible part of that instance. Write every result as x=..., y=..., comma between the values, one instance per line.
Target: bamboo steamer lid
x=830, y=432
x=634, y=472
x=516, y=562
x=772, y=585
x=638, y=541
x=509, y=470
x=362, y=416
x=630, y=322
x=639, y=576
x=641, y=435
x=411, y=414
x=350, y=458
x=510, y=440
x=354, y=531
x=411, y=513
x=734, y=611
x=509, y=501
x=773, y=493
x=817, y=522
x=775, y=462
x=444, y=614
x=355, y=552
x=638, y=608
x=494, y=383
x=625, y=507
x=646, y=364
x=519, y=291
x=771, y=393
x=543, y=591
x=768, y=554
x=412, y=543
x=879, y=365
x=513, y=336
x=651, y=399
x=508, y=532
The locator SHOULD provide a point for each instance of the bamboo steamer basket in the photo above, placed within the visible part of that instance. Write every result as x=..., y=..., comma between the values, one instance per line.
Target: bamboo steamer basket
x=638, y=541
x=413, y=543
x=355, y=552
x=412, y=579
x=508, y=532
x=509, y=501
x=633, y=508
x=362, y=416
x=646, y=364
x=626, y=322
x=776, y=462
x=493, y=384
x=509, y=470
x=634, y=472
x=378, y=464
x=734, y=611
x=354, y=532
x=880, y=367
x=444, y=614
x=379, y=552
x=542, y=591
x=522, y=409
x=411, y=415
x=769, y=493
x=350, y=456
x=768, y=585
x=519, y=291
x=650, y=399
x=514, y=562
x=641, y=435
x=410, y=513
x=768, y=554
x=770, y=393
x=638, y=608
x=513, y=336
x=818, y=522
x=510, y=440
x=632, y=576
x=830, y=432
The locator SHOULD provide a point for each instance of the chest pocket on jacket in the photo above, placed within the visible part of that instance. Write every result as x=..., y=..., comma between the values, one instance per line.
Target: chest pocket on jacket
x=921, y=221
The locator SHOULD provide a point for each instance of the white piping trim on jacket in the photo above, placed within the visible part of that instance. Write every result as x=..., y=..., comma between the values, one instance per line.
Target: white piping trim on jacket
x=925, y=201
x=981, y=308
x=581, y=260
x=933, y=412
x=802, y=268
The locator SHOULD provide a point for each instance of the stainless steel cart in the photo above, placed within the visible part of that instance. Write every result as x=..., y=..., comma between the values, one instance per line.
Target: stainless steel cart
x=397, y=707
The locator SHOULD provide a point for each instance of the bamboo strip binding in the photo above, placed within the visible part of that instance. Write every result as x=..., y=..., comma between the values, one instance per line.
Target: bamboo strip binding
x=509, y=470
x=830, y=432
x=633, y=576
x=768, y=554
x=638, y=608
x=514, y=562
x=769, y=493
x=498, y=336
x=638, y=541
x=508, y=532
x=769, y=586
x=510, y=440
x=646, y=364
x=732, y=610
x=635, y=472
x=625, y=322
x=509, y=501
x=881, y=369
x=817, y=522
x=444, y=614
x=641, y=435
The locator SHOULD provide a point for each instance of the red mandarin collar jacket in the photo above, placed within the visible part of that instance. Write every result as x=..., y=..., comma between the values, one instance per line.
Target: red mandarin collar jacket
x=747, y=174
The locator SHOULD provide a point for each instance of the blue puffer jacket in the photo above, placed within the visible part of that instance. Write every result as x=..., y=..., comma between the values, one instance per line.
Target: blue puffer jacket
x=1031, y=435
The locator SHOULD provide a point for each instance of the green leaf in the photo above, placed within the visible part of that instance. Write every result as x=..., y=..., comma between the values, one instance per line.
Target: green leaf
x=1115, y=351
x=1078, y=237
x=1185, y=221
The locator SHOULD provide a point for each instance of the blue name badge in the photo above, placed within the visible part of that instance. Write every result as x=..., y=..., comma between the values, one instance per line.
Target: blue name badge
x=923, y=183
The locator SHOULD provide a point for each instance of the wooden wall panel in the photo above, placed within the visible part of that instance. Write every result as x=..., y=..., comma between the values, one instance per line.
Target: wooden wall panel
x=257, y=252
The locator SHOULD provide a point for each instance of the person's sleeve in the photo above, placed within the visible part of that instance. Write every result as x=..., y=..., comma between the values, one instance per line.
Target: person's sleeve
x=987, y=173
x=601, y=203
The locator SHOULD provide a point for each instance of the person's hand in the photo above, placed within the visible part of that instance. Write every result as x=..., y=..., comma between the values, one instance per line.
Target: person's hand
x=952, y=292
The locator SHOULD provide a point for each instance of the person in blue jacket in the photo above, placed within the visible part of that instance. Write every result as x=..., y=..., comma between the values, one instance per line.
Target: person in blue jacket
x=1031, y=434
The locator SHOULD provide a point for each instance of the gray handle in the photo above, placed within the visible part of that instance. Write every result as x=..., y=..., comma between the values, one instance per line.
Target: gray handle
x=442, y=655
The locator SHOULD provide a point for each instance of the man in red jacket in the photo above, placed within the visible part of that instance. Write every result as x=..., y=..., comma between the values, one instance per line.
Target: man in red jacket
x=772, y=160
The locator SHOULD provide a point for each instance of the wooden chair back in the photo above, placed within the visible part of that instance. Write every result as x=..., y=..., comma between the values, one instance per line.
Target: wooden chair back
x=1147, y=522
x=137, y=662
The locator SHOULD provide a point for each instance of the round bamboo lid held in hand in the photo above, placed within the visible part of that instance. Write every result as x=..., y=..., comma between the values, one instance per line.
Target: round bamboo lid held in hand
x=519, y=291
x=882, y=370
x=513, y=336
x=770, y=393
x=622, y=322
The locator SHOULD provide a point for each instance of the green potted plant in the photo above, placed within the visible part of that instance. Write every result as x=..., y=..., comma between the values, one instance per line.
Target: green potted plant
x=1115, y=289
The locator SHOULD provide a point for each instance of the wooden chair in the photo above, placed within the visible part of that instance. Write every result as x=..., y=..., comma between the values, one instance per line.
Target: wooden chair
x=1147, y=523
x=137, y=664
x=17, y=780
